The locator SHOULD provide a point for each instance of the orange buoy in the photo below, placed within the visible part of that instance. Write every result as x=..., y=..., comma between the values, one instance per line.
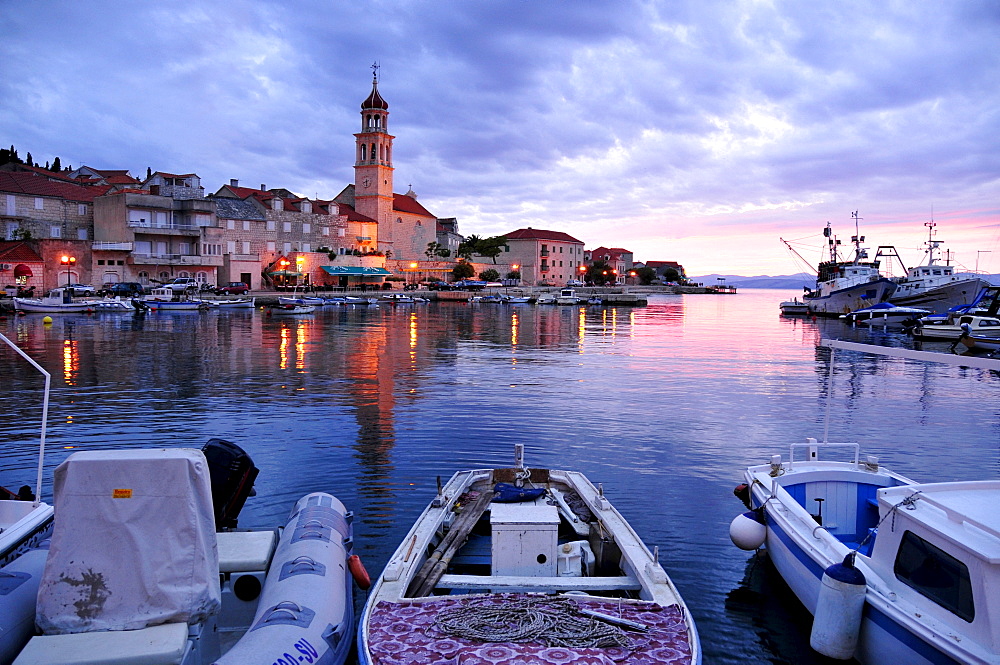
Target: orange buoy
x=358, y=572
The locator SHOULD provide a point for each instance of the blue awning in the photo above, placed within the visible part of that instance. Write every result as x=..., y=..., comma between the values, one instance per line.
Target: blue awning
x=355, y=271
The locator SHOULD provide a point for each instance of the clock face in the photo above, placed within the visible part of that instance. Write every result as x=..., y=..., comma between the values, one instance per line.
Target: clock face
x=366, y=183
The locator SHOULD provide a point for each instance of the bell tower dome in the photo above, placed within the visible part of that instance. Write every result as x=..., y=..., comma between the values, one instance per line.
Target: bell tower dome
x=373, y=161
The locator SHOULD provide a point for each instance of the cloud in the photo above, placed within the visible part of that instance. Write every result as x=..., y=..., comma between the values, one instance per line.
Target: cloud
x=667, y=125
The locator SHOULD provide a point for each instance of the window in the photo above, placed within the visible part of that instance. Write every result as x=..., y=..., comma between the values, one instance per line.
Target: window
x=81, y=234
x=306, y=247
x=287, y=247
x=399, y=220
x=231, y=247
x=306, y=228
x=324, y=230
x=81, y=209
x=246, y=247
x=341, y=233
x=287, y=227
x=932, y=572
x=246, y=224
x=39, y=203
x=270, y=245
x=230, y=224
x=55, y=232
x=11, y=205
x=100, y=262
x=270, y=226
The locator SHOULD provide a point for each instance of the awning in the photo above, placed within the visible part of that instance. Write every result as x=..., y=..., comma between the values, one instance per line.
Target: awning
x=285, y=273
x=355, y=271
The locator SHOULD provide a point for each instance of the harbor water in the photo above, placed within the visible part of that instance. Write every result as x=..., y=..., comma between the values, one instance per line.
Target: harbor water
x=665, y=405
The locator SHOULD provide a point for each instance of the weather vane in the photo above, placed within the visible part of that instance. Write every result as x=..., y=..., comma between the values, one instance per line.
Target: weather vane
x=375, y=71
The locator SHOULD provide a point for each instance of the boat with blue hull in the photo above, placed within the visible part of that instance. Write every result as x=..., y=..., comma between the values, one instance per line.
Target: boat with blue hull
x=894, y=571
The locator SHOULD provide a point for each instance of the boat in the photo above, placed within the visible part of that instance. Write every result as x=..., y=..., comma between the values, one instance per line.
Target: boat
x=397, y=298
x=793, y=307
x=567, y=297
x=358, y=300
x=301, y=300
x=529, y=546
x=57, y=301
x=595, y=301
x=951, y=329
x=935, y=286
x=285, y=309
x=518, y=300
x=166, y=299
x=236, y=303
x=843, y=286
x=893, y=571
x=25, y=520
x=172, y=589
x=115, y=304
x=546, y=299
x=884, y=314
x=975, y=342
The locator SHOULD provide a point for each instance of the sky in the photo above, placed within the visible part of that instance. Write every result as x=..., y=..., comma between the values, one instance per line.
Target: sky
x=697, y=131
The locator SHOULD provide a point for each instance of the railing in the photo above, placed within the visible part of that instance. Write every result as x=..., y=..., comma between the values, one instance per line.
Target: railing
x=124, y=246
x=167, y=225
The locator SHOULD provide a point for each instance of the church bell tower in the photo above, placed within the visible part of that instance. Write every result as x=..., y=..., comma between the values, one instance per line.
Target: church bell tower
x=373, y=161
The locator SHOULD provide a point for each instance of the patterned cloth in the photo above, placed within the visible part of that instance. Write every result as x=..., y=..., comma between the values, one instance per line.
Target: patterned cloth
x=405, y=634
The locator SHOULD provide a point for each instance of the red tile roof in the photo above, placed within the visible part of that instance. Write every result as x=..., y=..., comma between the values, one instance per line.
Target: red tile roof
x=540, y=234
x=39, y=185
x=353, y=215
x=404, y=203
x=17, y=251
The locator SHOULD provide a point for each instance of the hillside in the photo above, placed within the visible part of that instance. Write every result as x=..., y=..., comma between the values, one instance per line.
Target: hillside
x=795, y=282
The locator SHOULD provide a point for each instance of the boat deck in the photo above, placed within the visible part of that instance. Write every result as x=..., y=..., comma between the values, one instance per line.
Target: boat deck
x=413, y=632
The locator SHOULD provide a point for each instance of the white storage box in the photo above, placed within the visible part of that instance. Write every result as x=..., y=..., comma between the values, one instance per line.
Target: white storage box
x=524, y=538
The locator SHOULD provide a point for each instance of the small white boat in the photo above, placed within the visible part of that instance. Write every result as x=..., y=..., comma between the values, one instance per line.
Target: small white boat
x=166, y=299
x=567, y=297
x=156, y=597
x=893, y=571
x=358, y=300
x=56, y=301
x=793, y=307
x=884, y=314
x=282, y=309
x=115, y=304
x=518, y=545
x=949, y=329
x=595, y=301
x=301, y=300
x=397, y=298
x=236, y=303
x=546, y=299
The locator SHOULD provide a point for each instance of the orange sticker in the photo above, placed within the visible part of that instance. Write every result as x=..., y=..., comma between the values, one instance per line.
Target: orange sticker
x=121, y=494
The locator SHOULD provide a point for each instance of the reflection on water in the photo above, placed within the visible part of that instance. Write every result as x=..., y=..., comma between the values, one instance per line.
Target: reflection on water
x=665, y=405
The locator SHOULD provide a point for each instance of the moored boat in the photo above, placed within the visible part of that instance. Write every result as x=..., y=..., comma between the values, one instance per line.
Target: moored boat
x=933, y=285
x=283, y=309
x=567, y=297
x=173, y=590
x=894, y=571
x=236, y=303
x=793, y=307
x=56, y=301
x=542, y=546
x=843, y=286
x=884, y=314
x=166, y=299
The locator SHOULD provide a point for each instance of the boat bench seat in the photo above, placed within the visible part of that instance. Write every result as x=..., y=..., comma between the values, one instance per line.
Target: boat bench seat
x=245, y=551
x=157, y=645
x=509, y=582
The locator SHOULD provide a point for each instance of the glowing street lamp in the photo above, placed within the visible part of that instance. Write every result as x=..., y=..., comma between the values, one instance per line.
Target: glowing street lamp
x=69, y=262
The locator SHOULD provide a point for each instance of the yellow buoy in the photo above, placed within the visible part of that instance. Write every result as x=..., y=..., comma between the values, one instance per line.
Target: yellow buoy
x=47, y=320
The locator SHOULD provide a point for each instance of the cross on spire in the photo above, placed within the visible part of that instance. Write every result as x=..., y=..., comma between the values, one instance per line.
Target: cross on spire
x=375, y=68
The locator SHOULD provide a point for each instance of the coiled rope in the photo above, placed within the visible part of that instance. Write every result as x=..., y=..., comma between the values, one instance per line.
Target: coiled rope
x=554, y=622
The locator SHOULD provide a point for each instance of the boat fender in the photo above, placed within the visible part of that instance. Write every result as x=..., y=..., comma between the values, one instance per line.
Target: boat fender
x=748, y=531
x=358, y=572
x=837, y=620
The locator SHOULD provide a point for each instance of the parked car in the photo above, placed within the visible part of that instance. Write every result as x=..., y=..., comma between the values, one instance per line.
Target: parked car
x=469, y=285
x=439, y=286
x=182, y=284
x=81, y=289
x=233, y=288
x=574, y=282
x=123, y=289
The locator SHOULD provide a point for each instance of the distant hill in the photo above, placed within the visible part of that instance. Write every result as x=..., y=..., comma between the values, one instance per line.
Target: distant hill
x=761, y=281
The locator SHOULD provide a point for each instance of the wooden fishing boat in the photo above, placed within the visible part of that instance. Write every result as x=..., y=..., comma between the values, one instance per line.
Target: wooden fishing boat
x=542, y=549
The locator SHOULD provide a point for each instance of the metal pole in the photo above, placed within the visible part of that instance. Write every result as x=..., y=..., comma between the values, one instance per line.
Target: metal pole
x=45, y=414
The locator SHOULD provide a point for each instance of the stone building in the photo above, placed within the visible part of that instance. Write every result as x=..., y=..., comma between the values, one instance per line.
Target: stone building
x=543, y=257
x=619, y=260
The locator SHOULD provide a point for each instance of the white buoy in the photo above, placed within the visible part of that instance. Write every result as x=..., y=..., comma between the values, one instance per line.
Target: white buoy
x=837, y=622
x=748, y=531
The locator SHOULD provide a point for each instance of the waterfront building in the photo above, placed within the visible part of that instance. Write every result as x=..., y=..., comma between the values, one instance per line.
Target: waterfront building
x=620, y=260
x=544, y=258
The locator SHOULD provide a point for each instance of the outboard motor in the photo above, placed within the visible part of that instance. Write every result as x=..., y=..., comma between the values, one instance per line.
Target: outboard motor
x=232, y=473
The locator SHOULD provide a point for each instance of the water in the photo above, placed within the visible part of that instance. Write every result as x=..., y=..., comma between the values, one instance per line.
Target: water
x=664, y=405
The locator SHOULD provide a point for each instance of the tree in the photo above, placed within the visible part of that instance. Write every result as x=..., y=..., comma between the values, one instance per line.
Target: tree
x=490, y=275
x=670, y=275
x=646, y=275
x=514, y=274
x=21, y=233
x=437, y=249
x=56, y=165
x=467, y=247
x=491, y=247
x=463, y=270
x=600, y=273
x=28, y=160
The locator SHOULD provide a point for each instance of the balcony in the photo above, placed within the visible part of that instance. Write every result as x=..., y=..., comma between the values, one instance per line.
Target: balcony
x=112, y=246
x=146, y=227
x=176, y=260
x=544, y=267
x=544, y=252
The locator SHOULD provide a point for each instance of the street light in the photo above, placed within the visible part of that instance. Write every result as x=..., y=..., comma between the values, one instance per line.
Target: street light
x=69, y=262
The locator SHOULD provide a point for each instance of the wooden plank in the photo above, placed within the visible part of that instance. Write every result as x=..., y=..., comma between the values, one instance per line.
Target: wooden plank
x=431, y=571
x=542, y=584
